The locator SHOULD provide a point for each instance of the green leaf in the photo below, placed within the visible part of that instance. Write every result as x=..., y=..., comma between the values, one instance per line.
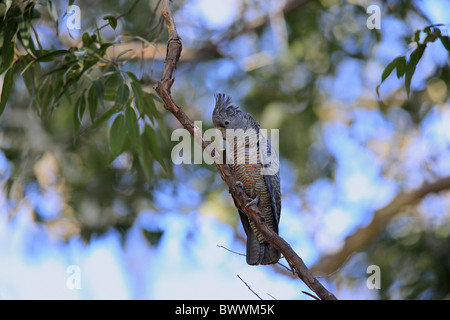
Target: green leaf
x=68, y=67
x=401, y=66
x=8, y=4
x=110, y=95
x=152, y=237
x=150, y=107
x=149, y=141
x=103, y=47
x=132, y=76
x=112, y=21
x=389, y=68
x=8, y=30
x=46, y=58
x=58, y=87
x=29, y=77
x=8, y=83
x=417, y=36
x=138, y=97
x=24, y=32
x=408, y=76
x=146, y=161
x=132, y=125
x=51, y=55
x=45, y=97
x=52, y=11
x=410, y=68
x=105, y=116
x=446, y=42
x=109, y=74
x=123, y=52
x=99, y=88
x=92, y=102
x=80, y=106
x=123, y=93
x=117, y=134
x=417, y=54
x=89, y=61
x=8, y=58
x=86, y=39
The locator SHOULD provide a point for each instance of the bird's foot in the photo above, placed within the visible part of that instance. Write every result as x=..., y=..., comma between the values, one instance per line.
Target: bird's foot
x=254, y=201
x=238, y=183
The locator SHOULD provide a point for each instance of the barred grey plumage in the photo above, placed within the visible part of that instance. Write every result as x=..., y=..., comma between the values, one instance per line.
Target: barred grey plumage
x=264, y=189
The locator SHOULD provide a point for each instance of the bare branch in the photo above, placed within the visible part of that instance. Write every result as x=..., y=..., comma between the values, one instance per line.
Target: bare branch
x=311, y=295
x=163, y=87
x=239, y=254
x=249, y=287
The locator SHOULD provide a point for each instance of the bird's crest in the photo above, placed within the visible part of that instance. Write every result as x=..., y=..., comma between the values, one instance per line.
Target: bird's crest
x=223, y=104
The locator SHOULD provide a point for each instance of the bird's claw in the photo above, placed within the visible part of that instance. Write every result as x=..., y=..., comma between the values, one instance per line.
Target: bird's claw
x=254, y=201
x=238, y=183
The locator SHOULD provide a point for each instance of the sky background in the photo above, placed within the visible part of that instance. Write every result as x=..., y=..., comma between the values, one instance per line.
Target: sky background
x=34, y=265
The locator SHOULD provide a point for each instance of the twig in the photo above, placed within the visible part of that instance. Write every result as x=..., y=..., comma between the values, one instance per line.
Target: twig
x=311, y=295
x=287, y=268
x=129, y=10
x=271, y=296
x=249, y=288
x=120, y=15
x=163, y=88
x=240, y=254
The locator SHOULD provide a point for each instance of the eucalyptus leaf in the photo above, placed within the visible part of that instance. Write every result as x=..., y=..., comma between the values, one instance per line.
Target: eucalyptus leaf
x=401, y=65
x=389, y=68
x=112, y=21
x=53, y=13
x=117, y=134
x=410, y=68
x=8, y=83
x=80, y=106
x=132, y=125
x=446, y=42
x=100, y=89
x=150, y=142
x=92, y=102
x=123, y=93
x=138, y=96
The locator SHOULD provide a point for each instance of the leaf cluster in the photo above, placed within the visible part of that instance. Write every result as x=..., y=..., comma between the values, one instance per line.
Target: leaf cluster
x=83, y=78
x=407, y=68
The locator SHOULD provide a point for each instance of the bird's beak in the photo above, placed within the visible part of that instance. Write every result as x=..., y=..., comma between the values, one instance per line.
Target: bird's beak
x=221, y=131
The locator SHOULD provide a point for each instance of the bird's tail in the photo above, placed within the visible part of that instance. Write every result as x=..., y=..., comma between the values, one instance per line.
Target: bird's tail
x=260, y=253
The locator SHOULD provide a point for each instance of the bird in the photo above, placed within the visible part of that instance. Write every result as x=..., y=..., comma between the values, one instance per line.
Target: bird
x=262, y=187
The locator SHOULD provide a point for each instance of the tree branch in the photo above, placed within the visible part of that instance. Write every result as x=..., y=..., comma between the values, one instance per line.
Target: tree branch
x=163, y=87
x=363, y=236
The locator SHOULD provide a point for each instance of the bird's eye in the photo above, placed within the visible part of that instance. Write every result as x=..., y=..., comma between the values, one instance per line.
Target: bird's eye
x=227, y=122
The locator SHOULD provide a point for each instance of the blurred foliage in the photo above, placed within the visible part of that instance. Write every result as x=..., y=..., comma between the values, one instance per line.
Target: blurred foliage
x=104, y=131
x=417, y=261
x=88, y=126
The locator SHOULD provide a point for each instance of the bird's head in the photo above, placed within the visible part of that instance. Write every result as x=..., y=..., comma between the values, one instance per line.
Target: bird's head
x=228, y=116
